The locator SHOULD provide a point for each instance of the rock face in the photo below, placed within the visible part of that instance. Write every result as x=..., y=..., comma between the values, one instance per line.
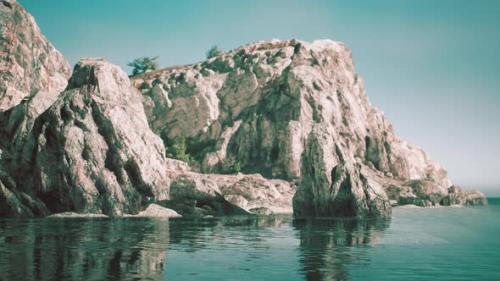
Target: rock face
x=296, y=111
x=29, y=64
x=32, y=75
x=258, y=125
x=198, y=195
x=92, y=150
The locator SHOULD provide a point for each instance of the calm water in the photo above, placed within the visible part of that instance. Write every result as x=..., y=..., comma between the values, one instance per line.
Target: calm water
x=416, y=244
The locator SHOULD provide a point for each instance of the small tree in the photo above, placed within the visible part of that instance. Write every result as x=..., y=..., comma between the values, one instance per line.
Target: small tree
x=143, y=65
x=213, y=52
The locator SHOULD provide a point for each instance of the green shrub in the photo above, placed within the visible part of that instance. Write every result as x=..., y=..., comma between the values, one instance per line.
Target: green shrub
x=143, y=65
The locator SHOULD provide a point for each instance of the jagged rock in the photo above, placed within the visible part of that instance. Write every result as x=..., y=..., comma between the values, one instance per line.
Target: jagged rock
x=92, y=150
x=349, y=194
x=271, y=106
x=194, y=194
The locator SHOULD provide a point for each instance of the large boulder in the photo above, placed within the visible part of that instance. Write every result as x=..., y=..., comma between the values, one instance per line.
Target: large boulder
x=92, y=150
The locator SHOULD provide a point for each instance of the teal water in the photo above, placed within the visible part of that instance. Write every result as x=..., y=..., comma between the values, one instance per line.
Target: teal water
x=416, y=244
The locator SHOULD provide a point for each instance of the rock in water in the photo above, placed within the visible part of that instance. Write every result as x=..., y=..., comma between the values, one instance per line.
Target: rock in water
x=157, y=211
x=92, y=151
x=350, y=194
x=292, y=110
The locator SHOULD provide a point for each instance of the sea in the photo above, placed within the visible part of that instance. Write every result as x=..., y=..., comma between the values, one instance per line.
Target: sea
x=442, y=243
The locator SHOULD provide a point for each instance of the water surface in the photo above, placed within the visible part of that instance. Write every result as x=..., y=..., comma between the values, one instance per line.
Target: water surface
x=416, y=244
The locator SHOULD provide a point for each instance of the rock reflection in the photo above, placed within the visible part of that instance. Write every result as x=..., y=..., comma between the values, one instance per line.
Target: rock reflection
x=328, y=247
x=76, y=249
x=192, y=236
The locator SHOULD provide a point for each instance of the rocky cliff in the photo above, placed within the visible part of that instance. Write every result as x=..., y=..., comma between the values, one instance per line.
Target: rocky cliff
x=296, y=111
x=251, y=128
x=32, y=75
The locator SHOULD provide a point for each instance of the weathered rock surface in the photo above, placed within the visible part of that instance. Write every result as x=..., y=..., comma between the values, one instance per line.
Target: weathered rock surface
x=92, y=150
x=292, y=110
x=350, y=193
x=157, y=211
x=29, y=64
x=198, y=195
x=32, y=75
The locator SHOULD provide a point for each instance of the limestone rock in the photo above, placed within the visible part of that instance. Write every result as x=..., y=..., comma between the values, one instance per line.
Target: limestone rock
x=92, y=150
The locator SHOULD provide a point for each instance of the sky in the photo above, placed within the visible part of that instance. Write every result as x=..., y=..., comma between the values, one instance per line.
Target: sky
x=432, y=66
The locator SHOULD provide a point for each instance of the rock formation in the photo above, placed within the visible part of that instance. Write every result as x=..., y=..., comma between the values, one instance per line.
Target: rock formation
x=251, y=128
x=296, y=111
x=198, y=195
x=32, y=75
x=92, y=150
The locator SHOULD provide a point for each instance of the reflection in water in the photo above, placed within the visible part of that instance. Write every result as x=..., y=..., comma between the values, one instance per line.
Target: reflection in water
x=231, y=248
x=329, y=246
x=463, y=241
x=83, y=249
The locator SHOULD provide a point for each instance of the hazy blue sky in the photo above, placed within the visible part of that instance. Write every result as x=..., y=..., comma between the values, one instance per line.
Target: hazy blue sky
x=432, y=66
